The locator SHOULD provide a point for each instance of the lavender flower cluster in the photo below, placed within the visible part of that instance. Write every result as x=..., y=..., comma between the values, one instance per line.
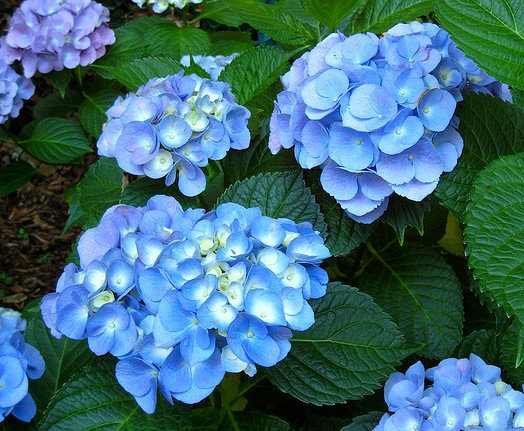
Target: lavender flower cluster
x=212, y=64
x=14, y=89
x=55, y=34
x=160, y=6
x=182, y=297
x=19, y=361
x=173, y=126
x=377, y=115
x=466, y=394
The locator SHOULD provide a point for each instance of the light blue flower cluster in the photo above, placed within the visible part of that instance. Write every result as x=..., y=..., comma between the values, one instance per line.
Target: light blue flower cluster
x=19, y=361
x=466, y=394
x=182, y=297
x=173, y=126
x=377, y=114
x=160, y=6
x=55, y=34
x=214, y=65
x=14, y=89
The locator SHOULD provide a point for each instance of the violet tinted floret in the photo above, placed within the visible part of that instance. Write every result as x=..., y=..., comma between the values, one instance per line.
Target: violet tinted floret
x=14, y=89
x=48, y=36
x=352, y=104
x=188, y=295
x=182, y=121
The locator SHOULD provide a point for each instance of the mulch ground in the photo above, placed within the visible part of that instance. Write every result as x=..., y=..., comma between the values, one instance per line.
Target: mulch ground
x=33, y=250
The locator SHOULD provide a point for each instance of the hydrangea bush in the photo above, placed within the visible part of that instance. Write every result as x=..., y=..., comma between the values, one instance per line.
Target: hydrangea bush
x=280, y=204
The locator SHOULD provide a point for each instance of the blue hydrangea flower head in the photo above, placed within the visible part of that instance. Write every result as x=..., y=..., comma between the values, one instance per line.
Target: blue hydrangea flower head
x=171, y=127
x=181, y=297
x=14, y=89
x=363, y=108
x=19, y=363
x=46, y=36
x=461, y=394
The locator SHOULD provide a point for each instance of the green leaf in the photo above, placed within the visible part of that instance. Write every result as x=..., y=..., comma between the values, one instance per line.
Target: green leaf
x=219, y=11
x=256, y=159
x=490, y=32
x=92, y=111
x=491, y=128
x=129, y=46
x=135, y=73
x=402, y=213
x=349, y=351
x=101, y=187
x=378, y=16
x=63, y=357
x=196, y=69
x=61, y=80
x=279, y=194
x=169, y=40
x=494, y=236
x=518, y=97
x=296, y=8
x=139, y=191
x=56, y=106
x=57, y=141
x=229, y=42
x=93, y=400
x=365, y=422
x=412, y=283
x=206, y=418
x=77, y=217
x=344, y=233
x=274, y=21
x=509, y=352
x=483, y=343
x=254, y=71
x=252, y=421
x=15, y=175
x=330, y=16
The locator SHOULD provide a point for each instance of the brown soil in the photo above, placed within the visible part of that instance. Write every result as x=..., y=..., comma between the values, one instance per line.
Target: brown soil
x=33, y=250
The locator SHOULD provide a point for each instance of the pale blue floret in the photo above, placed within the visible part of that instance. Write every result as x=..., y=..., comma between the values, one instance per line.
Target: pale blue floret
x=190, y=382
x=351, y=149
x=111, y=329
x=313, y=147
x=401, y=133
x=435, y=109
x=140, y=379
x=368, y=108
x=403, y=390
